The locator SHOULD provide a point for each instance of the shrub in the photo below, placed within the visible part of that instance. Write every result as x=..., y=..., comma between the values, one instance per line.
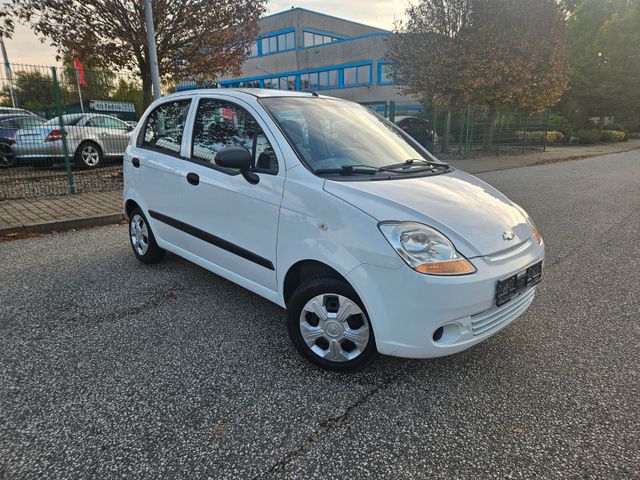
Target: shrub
x=560, y=123
x=537, y=136
x=618, y=127
x=612, y=136
x=589, y=136
x=555, y=137
x=634, y=135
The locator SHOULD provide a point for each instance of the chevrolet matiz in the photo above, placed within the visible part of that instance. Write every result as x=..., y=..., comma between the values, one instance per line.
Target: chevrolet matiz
x=329, y=210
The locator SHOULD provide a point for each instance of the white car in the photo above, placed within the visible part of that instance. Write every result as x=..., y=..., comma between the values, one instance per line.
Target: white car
x=334, y=213
x=91, y=138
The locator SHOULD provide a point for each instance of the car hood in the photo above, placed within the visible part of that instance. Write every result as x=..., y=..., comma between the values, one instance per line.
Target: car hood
x=473, y=214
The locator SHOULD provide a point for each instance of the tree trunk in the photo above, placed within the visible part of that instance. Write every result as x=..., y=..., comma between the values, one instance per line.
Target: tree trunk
x=447, y=131
x=488, y=139
x=147, y=94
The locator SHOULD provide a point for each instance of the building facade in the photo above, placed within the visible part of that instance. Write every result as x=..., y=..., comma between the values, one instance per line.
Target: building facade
x=302, y=50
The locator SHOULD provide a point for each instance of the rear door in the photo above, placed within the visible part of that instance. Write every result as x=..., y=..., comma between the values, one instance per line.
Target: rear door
x=112, y=133
x=234, y=223
x=158, y=170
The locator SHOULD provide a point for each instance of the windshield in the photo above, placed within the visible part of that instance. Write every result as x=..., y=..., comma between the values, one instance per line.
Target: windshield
x=71, y=119
x=334, y=134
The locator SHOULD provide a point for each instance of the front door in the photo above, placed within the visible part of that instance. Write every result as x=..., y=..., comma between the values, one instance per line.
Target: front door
x=236, y=222
x=158, y=171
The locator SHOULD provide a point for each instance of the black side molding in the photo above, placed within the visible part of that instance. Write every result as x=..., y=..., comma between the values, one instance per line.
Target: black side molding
x=213, y=240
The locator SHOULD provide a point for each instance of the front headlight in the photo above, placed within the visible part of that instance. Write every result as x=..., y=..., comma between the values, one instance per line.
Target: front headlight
x=425, y=249
x=536, y=232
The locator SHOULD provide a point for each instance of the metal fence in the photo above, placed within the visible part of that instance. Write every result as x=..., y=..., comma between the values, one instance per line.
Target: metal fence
x=470, y=132
x=64, y=130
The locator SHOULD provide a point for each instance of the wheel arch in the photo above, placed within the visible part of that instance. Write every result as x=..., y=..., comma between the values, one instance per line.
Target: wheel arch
x=302, y=271
x=129, y=205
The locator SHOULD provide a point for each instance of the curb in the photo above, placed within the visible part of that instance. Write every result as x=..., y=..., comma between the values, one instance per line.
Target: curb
x=82, y=222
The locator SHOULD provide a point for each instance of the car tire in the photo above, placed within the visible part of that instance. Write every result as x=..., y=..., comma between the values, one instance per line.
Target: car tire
x=89, y=155
x=142, y=240
x=7, y=157
x=313, y=321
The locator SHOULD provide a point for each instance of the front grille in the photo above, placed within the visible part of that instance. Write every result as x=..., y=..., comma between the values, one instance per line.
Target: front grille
x=493, y=318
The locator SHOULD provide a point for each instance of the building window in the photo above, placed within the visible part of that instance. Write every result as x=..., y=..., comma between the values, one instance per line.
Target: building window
x=312, y=39
x=337, y=77
x=357, y=75
x=253, y=49
x=384, y=74
x=279, y=42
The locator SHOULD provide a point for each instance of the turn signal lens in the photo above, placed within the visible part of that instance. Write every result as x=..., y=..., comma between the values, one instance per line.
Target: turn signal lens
x=451, y=267
x=536, y=233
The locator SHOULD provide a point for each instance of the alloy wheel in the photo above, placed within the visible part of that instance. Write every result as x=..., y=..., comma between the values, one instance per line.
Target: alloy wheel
x=334, y=327
x=90, y=155
x=7, y=157
x=139, y=234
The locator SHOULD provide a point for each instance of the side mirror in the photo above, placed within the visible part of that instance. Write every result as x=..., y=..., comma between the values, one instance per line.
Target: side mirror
x=238, y=158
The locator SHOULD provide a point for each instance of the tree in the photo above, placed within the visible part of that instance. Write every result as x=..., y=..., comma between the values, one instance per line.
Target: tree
x=195, y=39
x=33, y=90
x=604, y=38
x=494, y=53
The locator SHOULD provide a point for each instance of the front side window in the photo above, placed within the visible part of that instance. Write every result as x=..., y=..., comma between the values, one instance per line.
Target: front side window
x=332, y=134
x=221, y=124
x=164, y=126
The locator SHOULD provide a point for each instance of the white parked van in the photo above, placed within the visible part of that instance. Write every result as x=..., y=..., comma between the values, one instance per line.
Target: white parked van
x=327, y=209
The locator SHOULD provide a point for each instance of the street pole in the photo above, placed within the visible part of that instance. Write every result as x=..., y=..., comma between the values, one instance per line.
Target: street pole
x=151, y=43
x=7, y=69
x=79, y=91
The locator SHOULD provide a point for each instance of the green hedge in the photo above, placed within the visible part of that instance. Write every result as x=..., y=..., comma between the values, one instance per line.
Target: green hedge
x=537, y=136
x=589, y=136
x=592, y=135
x=613, y=136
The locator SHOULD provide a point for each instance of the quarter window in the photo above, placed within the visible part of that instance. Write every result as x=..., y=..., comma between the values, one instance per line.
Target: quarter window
x=165, y=125
x=221, y=124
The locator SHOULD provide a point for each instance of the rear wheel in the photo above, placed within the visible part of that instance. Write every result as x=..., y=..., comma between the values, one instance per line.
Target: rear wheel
x=142, y=240
x=7, y=157
x=88, y=155
x=328, y=324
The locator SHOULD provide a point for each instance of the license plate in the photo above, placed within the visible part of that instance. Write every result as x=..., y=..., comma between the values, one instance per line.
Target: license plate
x=510, y=287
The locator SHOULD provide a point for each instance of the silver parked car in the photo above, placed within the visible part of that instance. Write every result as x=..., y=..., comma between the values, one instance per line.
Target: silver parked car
x=90, y=139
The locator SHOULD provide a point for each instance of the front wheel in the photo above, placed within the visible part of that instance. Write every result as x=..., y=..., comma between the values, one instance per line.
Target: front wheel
x=328, y=324
x=142, y=240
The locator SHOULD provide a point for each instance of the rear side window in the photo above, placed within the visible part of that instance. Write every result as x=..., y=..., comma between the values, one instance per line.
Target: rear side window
x=221, y=124
x=164, y=127
x=107, y=122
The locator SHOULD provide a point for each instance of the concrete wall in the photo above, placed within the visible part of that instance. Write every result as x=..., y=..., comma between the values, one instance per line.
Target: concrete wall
x=371, y=47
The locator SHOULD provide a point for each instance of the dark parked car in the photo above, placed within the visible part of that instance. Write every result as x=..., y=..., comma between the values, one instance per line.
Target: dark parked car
x=9, y=125
x=419, y=129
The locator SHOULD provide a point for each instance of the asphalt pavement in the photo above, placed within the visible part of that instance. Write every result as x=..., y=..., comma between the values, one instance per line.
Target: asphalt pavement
x=113, y=369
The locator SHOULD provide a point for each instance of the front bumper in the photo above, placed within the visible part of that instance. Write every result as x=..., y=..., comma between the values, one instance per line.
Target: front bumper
x=406, y=307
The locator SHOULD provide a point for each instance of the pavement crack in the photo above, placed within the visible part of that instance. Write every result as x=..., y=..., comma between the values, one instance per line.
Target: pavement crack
x=323, y=429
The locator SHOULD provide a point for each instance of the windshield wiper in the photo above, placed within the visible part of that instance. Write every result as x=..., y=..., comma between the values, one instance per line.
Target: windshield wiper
x=415, y=162
x=350, y=170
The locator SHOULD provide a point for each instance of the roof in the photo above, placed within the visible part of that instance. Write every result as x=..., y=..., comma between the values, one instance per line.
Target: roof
x=239, y=92
x=306, y=10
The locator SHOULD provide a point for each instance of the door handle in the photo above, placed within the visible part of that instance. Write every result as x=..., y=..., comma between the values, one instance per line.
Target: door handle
x=193, y=178
x=135, y=162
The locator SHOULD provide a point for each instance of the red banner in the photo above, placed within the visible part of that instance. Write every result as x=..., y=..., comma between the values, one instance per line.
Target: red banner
x=79, y=70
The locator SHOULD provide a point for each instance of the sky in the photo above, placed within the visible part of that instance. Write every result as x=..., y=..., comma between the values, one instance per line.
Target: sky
x=26, y=48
